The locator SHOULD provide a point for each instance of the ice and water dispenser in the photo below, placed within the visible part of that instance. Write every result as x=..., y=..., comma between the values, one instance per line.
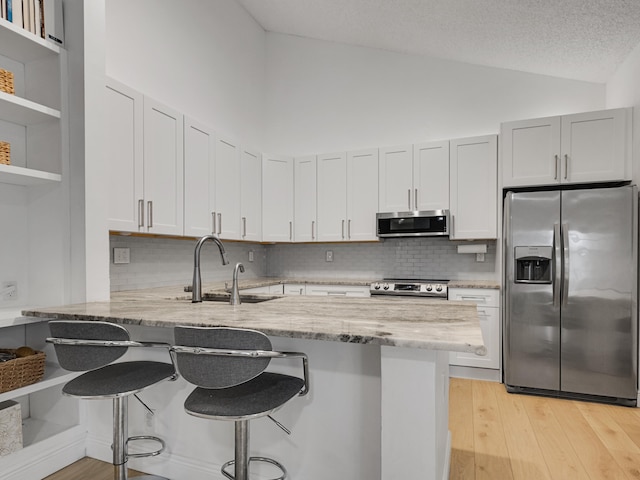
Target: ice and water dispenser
x=533, y=264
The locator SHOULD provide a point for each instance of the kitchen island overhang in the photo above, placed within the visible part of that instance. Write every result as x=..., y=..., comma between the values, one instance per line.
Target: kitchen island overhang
x=412, y=340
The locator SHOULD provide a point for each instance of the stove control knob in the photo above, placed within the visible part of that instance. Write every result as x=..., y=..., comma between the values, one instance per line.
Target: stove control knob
x=429, y=288
x=386, y=286
x=376, y=286
x=438, y=288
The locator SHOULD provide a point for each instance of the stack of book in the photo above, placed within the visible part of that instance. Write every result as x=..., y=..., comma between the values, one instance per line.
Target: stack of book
x=40, y=17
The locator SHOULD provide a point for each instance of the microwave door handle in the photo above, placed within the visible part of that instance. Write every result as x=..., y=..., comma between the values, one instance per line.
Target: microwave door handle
x=565, y=264
x=557, y=264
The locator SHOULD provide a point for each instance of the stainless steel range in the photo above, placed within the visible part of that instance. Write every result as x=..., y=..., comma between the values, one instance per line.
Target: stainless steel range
x=415, y=288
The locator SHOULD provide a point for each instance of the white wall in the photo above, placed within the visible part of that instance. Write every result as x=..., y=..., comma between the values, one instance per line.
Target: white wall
x=324, y=96
x=623, y=90
x=204, y=58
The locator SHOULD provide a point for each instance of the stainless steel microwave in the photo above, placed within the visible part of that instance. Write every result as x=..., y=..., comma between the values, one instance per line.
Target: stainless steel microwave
x=413, y=224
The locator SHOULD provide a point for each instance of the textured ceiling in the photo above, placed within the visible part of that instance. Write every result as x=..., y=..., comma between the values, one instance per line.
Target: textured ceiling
x=579, y=39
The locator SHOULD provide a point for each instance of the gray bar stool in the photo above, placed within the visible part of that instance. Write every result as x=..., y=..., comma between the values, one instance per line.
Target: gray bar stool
x=91, y=347
x=228, y=366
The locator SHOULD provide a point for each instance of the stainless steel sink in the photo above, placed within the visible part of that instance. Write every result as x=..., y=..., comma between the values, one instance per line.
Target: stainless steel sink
x=224, y=298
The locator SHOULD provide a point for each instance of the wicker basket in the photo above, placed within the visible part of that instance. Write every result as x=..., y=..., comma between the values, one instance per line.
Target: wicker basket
x=6, y=81
x=21, y=371
x=5, y=153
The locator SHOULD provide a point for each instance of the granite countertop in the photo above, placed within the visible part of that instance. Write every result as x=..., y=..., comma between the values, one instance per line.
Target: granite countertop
x=401, y=322
x=266, y=281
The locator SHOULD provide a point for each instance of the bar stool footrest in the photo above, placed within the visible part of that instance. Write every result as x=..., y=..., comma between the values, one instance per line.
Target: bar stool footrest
x=255, y=459
x=145, y=454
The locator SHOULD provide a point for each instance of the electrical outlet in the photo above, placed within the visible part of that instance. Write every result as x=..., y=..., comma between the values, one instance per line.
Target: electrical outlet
x=121, y=255
x=479, y=257
x=9, y=290
x=329, y=256
x=251, y=255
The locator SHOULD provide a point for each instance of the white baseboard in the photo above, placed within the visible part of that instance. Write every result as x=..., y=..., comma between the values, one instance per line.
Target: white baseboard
x=45, y=457
x=475, y=373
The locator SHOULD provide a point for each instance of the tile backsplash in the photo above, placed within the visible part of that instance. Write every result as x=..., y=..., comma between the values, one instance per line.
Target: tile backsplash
x=161, y=262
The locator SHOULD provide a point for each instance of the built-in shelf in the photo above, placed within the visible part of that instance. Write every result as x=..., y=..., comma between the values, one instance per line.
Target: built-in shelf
x=53, y=375
x=26, y=176
x=23, y=46
x=35, y=430
x=19, y=110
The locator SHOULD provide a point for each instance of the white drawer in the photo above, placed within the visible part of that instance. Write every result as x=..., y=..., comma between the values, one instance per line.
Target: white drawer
x=481, y=296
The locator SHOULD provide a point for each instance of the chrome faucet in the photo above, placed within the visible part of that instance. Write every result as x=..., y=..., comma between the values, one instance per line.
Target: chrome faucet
x=235, y=294
x=196, y=288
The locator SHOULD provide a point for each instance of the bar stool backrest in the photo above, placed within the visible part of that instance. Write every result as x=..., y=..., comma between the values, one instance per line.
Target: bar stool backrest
x=79, y=358
x=219, y=370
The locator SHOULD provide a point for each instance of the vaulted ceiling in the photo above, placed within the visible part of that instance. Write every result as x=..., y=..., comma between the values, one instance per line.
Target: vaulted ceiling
x=579, y=39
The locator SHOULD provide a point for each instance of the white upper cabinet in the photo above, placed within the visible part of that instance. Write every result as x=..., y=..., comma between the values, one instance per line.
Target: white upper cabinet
x=473, y=197
x=431, y=176
x=414, y=177
x=596, y=146
x=199, y=169
x=396, y=179
x=123, y=122
x=305, y=190
x=251, y=195
x=163, y=169
x=277, y=198
x=227, y=189
x=362, y=194
x=332, y=197
x=146, y=163
x=580, y=148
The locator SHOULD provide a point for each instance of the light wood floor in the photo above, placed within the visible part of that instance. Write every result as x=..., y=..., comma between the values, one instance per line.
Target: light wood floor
x=501, y=436
x=88, y=469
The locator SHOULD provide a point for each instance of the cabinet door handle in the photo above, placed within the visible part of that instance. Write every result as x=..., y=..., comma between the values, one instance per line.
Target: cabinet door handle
x=150, y=213
x=244, y=227
x=313, y=231
x=409, y=199
x=415, y=203
x=290, y=230
x=555, y=176
x=349, y=229
x=566, y=166
x=140, y=213
x=452, y=233
x=213, y=217
x=343, y=229
x=219, y=224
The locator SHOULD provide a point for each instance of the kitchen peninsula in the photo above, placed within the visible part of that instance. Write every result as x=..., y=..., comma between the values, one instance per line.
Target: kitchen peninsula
x=379, y=377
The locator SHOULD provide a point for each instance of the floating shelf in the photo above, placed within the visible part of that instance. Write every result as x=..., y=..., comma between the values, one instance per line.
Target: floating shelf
x=26, y=176
x=24, y=112
x=23, y=46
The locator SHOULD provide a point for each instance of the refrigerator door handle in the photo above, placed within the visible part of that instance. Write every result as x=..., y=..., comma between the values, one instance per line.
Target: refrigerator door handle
x=557, y=267
x=565, y=264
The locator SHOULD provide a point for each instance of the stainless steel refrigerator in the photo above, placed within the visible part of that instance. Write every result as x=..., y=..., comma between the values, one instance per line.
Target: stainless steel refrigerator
x=570, y=317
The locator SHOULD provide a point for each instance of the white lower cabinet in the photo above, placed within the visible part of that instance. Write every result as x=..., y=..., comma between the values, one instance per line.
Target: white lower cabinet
x=272, y=289
x=295, y=289
x=338, y=290
x=488, y=302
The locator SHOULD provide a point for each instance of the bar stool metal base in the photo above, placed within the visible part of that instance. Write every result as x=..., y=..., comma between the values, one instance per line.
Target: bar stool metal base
x=253, y=459
x=242, y=459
